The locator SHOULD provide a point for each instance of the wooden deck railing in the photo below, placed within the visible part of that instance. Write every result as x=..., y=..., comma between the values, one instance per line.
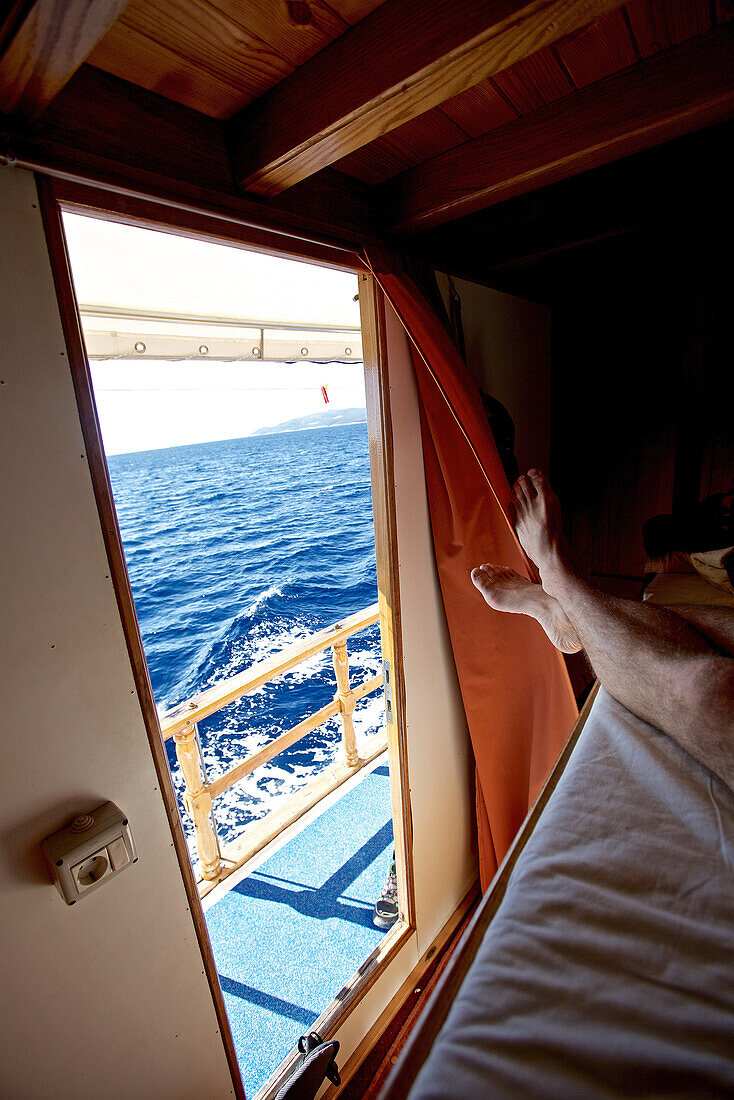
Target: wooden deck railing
x=182, y=725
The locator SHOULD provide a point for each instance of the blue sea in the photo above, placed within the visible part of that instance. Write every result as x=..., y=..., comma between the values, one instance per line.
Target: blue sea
x=235, y=550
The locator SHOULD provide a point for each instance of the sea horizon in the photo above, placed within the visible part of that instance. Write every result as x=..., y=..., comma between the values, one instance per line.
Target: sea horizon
x=263, y=430
x=235, y=549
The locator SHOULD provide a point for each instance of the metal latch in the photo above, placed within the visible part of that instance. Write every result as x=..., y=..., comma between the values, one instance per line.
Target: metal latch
x=387, y=684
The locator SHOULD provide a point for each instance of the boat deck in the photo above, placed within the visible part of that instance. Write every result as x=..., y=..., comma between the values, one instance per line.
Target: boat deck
x=289, y=934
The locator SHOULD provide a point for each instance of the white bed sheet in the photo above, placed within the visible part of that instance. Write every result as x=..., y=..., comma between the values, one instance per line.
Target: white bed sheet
x=608, y=969
x=686, y=588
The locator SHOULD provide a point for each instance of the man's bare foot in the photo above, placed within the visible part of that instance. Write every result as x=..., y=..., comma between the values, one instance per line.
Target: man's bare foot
x=538, y=526
x=506, y=590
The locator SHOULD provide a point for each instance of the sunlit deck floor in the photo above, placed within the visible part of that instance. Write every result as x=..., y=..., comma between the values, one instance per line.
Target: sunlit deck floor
x=288, y=936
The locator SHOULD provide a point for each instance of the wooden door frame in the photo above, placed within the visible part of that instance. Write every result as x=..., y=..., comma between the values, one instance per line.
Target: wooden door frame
x=58, y=195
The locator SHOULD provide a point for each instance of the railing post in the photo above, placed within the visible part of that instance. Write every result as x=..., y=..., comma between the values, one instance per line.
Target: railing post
x=345, y=697
x=198, y=801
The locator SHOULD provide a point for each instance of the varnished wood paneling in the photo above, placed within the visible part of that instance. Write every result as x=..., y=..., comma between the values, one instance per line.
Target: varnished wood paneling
x=396, y=64
x=103, y=117
x=534, y=81
x=658, y=24
x=596, y=51
x=675, y=92
x=216, y=56
x=539, y=231
x=175, y=155
x=296, y=34
x=174, y=70
x=45, y=43
x=418, y=140
x=195, y=53
x=479, y=109
x=620, y=317
x=525, y=86
x=352, y=11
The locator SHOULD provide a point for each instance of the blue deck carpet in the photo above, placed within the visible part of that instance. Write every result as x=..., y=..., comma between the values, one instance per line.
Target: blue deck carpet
x=289, y=936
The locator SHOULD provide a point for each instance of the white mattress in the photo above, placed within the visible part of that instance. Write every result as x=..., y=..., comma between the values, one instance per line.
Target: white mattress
x=609, y=967
x=686, y=588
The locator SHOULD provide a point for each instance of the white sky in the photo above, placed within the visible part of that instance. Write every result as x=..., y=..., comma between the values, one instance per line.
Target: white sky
x=147, y=404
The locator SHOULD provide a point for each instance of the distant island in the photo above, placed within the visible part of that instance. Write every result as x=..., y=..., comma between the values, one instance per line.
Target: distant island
x=329, y=418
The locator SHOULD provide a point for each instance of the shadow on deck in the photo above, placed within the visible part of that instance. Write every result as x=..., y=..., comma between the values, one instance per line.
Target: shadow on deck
x=288, y=936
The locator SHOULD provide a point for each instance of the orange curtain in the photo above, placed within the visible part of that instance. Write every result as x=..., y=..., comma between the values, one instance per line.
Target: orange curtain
x=517, y=696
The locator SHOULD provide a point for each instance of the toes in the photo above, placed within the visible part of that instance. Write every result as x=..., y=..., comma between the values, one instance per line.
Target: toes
x=521, y=491
x=537, y=478
x=489, y=574
x=530, y=490
x=484, y=574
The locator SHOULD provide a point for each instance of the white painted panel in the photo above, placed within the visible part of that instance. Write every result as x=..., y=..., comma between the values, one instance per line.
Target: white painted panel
x=107, y=998
x=439, y=759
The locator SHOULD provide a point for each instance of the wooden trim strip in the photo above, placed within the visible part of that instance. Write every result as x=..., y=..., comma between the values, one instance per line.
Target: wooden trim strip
x=118, y=571
x=380, y=442
x=421, y=1040
x=152, y=209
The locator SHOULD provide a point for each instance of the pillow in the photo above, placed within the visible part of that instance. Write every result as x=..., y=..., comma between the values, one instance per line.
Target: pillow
x=676, y=561
x=711, y=565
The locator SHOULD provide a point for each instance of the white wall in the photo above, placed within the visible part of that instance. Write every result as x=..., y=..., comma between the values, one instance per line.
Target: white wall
x=508, y=353
x=106, y=998
x=439, y=756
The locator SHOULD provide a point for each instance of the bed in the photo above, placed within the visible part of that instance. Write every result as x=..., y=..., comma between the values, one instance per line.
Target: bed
x=601, y=962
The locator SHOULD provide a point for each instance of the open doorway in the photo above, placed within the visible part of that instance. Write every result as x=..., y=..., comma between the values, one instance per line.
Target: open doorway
x=234, y=425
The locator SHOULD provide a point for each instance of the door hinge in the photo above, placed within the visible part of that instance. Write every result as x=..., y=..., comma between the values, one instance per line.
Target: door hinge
x=387, y=685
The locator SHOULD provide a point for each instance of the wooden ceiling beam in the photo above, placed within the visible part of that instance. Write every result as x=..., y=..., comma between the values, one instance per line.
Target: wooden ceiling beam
x=397, y=63
x=673, y=93
x=105, y=131
x=50, y=39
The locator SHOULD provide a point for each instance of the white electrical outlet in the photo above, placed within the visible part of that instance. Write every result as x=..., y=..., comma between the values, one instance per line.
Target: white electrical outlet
x=89, y=851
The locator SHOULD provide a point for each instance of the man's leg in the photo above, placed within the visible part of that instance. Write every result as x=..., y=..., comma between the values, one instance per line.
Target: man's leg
x=716, y=624
x=654, y=661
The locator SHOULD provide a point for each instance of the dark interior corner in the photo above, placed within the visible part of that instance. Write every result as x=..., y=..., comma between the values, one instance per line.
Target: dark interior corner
x=633, y=260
